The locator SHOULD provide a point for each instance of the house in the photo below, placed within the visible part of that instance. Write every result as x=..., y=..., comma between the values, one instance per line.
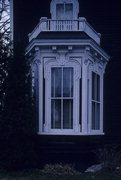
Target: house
x=68, y=67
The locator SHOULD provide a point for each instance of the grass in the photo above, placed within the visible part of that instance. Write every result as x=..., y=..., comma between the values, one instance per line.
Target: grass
x=37, y=175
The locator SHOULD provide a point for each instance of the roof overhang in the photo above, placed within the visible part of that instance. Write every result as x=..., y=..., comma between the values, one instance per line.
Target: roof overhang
x=64, y=42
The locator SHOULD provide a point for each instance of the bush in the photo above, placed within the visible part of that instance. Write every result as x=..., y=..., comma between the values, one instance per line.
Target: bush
x=59, y=169
x=110, y=157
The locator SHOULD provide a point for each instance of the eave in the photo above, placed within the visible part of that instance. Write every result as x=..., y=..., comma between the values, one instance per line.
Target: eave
x=66, y=42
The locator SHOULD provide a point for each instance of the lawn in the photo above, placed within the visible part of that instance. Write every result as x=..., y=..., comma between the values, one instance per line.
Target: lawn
x=37, y=175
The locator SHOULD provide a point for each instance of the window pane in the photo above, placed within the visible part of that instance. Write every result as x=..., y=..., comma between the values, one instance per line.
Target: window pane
x=68, y=114
x=69, y=11
x=67, y=82
x=56, y=114
x=95, y=116
x=98, y=87
x=60, y=11
x=56, y=81
x=93, y=86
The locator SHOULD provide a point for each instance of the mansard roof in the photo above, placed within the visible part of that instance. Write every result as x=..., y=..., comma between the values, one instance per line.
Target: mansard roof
x=62, y=35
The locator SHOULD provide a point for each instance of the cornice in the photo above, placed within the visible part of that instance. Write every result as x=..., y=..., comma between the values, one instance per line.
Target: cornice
x=66, y=42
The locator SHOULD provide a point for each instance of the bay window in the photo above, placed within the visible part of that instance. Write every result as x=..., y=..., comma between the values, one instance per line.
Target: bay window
x=71, y=102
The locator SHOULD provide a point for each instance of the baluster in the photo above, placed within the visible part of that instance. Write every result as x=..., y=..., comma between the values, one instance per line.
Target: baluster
x=67, y=26
x=56, y=25
x=60, y=25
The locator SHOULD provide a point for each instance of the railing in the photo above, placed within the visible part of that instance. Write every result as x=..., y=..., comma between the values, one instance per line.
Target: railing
x=64, y=25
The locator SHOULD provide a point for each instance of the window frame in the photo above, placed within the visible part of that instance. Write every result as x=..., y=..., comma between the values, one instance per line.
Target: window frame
x=62, y=98
x=61, y=131
x=46, y=128
x=79, y=73
x=100, y=102
x=64, y=11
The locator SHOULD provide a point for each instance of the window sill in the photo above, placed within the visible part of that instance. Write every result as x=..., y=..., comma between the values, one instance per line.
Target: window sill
x=72, y=134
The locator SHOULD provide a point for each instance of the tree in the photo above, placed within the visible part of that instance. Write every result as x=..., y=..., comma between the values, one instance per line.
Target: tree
x=16, y=103
x=5, y=20
x=5, y=52
x=17, y=126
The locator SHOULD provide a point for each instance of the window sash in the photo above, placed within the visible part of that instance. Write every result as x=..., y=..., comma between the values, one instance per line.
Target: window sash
x=95, y=87
x=61, y=119
x=64, y=11
x=96, y=105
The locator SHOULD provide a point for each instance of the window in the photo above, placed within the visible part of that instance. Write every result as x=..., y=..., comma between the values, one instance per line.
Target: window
x=95, y=101
x=64, y=11
x=62, y=98
x=70, y=102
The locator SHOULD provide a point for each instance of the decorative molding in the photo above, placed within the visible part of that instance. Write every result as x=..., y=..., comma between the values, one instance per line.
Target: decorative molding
x=37, y=61
x=70, y=48
x=86, y=61
x=76, y=59
x=37, y=56
x=54, y=48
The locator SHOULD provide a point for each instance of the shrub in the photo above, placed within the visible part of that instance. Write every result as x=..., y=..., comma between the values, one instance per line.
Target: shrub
x=110, y=157
x=59, y=169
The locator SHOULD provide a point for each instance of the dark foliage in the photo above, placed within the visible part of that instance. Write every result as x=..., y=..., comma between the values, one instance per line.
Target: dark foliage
x=17, y=125
x=18, y=112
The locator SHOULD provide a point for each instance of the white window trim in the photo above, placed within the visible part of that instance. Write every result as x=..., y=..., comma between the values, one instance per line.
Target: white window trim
x=100, y=131
x=47, y=127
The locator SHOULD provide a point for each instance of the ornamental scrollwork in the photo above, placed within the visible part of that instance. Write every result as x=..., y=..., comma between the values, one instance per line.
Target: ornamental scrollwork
x=37, y=61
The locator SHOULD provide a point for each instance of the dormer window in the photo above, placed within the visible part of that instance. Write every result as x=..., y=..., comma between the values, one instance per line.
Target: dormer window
x=64, y=11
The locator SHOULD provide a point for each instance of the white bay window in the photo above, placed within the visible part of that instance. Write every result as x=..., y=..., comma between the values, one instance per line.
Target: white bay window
x=71, y=103
x=68, y=75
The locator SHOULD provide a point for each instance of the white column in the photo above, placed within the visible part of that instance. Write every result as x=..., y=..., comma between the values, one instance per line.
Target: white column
x=40, y=95
x=101, y=103
x=84, y=96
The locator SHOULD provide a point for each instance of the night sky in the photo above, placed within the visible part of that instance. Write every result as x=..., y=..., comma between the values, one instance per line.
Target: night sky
x=105, y=17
